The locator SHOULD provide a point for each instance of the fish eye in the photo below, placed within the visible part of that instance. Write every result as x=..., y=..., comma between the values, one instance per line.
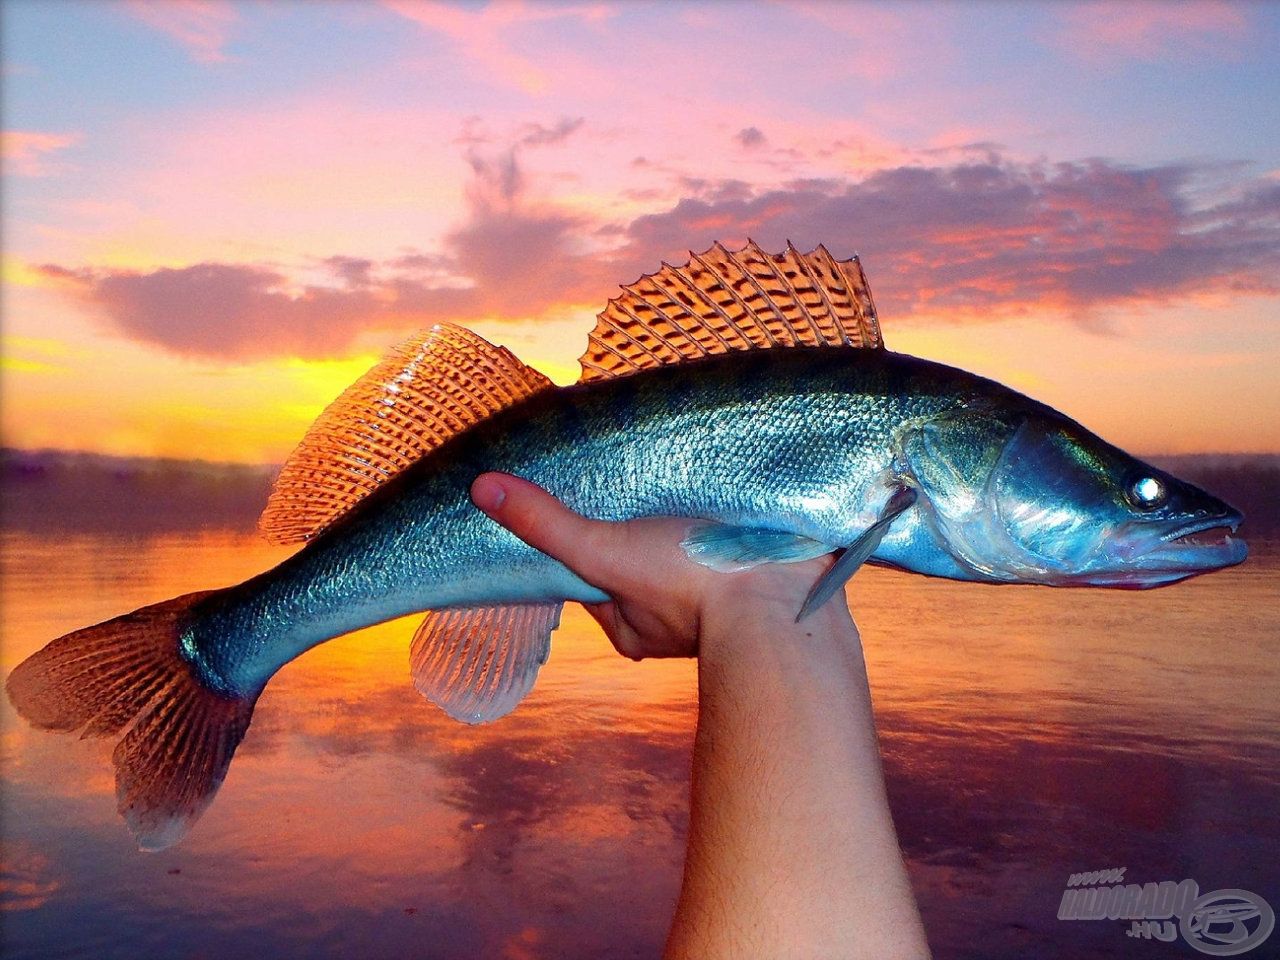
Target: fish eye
x=1147, y=493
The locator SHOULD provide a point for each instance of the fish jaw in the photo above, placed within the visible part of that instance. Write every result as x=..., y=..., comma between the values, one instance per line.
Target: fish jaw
x=1190, y=551
x=1183, y=550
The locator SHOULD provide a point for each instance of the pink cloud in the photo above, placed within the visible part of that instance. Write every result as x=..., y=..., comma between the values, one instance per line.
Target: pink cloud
x=512, y=258
x=1149, y=30
x=201, y=26
x=26, y=153
x=483, y=33
x=882, y=42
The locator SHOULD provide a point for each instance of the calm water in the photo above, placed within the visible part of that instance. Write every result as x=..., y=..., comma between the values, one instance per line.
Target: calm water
x=1028, y=733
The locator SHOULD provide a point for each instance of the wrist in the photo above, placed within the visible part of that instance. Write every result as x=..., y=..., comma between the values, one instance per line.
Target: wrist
x=777, y=674
x=739, y=624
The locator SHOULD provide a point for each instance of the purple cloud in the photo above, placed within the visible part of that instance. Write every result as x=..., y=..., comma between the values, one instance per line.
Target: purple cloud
x=999, y=238
x=352, y=271
x=979, y=238
x=538, y=135
x=225, y=310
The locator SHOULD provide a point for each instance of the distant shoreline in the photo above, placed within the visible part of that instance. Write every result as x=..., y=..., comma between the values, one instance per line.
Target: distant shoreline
x=50, y=491
x=44, y=491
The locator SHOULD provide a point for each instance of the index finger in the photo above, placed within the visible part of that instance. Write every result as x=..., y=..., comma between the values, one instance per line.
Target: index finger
x=587, y=547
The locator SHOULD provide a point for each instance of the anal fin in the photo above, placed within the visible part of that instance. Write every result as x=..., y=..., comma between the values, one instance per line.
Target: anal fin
x=477, y=663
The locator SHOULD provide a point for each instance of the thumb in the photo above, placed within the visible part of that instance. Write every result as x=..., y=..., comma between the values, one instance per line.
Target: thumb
x=546, y=524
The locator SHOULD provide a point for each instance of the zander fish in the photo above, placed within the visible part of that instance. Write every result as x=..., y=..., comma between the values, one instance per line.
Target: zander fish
x=747, y=390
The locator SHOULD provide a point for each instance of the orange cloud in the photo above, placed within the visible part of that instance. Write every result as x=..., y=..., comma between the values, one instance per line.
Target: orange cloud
x=26, y=153
x=201, y=26
x=511, y=259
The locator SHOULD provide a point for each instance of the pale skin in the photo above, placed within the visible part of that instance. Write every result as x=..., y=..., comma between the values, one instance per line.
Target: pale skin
x=792, y=850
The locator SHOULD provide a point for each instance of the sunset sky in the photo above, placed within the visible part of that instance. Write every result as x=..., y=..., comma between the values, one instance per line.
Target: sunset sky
x=217, y=214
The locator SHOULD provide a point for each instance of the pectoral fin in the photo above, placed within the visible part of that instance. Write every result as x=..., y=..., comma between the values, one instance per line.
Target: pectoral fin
x=728, y=549
x=477, y=663
x=857, y=553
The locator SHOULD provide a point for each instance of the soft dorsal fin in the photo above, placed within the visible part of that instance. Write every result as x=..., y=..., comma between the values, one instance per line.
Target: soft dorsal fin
x=720, y=302
x=431, y=387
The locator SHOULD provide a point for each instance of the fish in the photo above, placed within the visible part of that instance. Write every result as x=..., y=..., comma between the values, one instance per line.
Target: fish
x=749, y=392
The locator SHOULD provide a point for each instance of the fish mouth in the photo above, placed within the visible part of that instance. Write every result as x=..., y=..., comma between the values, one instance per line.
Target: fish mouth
x=1213, y=533
x=1200, y=546
x=1205, y=544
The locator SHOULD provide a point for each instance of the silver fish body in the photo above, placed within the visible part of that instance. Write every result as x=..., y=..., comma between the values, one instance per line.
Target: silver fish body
x=807, y=441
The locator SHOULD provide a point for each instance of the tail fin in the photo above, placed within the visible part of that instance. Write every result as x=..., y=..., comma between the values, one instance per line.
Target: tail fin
x=126, y=675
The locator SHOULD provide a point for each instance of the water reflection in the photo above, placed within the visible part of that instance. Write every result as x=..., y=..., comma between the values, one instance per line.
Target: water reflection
x=1028, y=734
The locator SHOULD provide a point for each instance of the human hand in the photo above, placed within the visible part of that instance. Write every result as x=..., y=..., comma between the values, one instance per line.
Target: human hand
x=786, y=768
x=661, y=599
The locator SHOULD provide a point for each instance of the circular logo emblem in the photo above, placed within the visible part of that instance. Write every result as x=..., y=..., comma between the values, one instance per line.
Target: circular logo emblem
x=1225, y=923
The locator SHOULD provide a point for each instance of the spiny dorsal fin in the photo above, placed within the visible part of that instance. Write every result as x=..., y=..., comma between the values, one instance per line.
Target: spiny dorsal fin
x=720, y=302
x=431, y=387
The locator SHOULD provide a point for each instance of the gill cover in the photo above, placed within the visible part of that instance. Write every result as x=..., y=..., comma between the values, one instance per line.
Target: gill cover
x=1055, y=498
x=953, y=460
x=1018, y=499
x=950, y=457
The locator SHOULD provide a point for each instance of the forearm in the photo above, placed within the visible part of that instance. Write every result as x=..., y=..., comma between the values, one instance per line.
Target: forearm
x=792, y=851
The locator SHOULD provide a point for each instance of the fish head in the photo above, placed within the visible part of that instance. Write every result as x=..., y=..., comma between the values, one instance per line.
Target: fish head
x=1035, y=497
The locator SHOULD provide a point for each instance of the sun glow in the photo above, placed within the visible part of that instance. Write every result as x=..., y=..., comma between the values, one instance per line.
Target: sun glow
x=222, y=256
